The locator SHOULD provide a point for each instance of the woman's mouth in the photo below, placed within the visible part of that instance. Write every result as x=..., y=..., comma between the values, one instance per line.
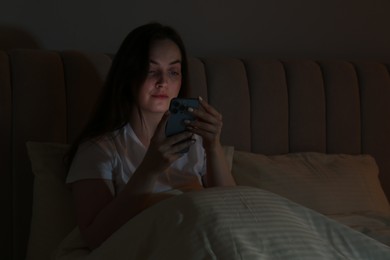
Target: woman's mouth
x=160, y=96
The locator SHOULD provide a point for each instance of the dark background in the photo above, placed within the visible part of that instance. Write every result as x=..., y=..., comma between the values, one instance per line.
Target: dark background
x=345, y=29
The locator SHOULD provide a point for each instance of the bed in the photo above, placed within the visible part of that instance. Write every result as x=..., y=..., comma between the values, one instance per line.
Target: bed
x=303, y=134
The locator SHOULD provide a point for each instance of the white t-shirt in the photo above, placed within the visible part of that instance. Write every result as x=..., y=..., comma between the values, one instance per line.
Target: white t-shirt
x=116, y=156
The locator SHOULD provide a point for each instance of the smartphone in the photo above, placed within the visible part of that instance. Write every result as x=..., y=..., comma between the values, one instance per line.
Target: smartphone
x=178, y=114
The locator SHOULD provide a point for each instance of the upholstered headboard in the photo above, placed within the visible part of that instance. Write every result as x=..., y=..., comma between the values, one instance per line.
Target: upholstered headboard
x=269, y=106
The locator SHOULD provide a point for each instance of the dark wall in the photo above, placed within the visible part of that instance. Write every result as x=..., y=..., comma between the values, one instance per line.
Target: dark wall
x=273, y=28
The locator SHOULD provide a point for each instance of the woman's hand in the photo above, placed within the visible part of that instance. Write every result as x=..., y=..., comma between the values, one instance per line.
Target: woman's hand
x=208, y=124
x=163, y=151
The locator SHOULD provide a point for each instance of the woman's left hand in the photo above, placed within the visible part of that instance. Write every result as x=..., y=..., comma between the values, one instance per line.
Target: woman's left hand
x=208, y=124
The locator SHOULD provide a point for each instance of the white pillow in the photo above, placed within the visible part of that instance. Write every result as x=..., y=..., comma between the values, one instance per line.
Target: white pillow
x=327, y=183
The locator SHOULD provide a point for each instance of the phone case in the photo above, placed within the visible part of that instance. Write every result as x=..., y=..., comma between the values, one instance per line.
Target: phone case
x=179, y=112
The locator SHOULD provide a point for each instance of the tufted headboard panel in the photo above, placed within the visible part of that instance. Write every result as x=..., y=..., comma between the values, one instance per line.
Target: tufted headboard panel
x=269, y=106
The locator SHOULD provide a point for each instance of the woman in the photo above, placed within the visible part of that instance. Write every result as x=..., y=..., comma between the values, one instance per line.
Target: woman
x=123, y=162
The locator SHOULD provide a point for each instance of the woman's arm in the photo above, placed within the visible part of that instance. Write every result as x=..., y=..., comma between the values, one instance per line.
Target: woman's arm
x=218, y=173
x=100, y=213
x=209, y=126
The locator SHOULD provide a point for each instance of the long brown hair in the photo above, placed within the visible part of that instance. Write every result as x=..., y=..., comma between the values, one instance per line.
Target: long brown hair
x=128, y=71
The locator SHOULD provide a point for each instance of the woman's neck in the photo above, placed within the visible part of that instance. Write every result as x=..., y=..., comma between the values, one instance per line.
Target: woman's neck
x=144, y=125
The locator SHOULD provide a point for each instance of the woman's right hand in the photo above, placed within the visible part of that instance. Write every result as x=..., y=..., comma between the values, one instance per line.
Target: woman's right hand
x=163, y=151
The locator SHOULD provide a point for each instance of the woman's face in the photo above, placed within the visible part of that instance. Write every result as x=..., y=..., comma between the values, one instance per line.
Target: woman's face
x=164, y=77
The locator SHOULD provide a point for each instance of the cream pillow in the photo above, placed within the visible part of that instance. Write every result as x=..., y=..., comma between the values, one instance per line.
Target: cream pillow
x=53, y=214
x=328, y=183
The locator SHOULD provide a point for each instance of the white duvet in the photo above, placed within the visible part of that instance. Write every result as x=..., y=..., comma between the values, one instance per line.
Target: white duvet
x=229, y=223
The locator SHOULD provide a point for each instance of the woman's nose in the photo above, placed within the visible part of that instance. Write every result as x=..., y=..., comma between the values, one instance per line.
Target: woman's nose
x=162, y=80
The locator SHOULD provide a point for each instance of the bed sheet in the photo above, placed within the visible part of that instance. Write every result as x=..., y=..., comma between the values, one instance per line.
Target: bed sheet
x=370, y=223
x=229, y=223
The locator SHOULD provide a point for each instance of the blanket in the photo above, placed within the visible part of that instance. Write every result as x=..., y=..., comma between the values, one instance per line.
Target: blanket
x=229, y=223
x=370, y=223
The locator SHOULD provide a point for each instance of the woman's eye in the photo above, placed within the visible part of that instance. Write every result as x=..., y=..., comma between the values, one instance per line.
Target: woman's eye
x=174, y=73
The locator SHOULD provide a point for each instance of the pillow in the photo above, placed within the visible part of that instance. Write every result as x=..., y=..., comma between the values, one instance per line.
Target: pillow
x=327, y=183
x=53, y=215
